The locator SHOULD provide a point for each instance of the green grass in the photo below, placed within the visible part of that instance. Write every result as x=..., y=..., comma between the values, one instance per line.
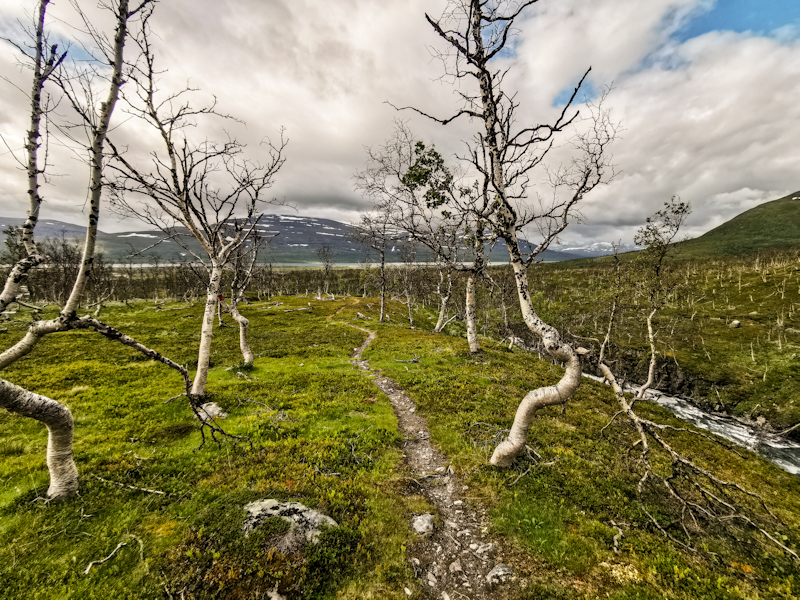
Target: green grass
x=752, y=371
x=322, y=434
x=557, y=517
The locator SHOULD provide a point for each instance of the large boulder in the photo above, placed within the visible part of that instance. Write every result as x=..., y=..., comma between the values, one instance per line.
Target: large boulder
x=304, y=522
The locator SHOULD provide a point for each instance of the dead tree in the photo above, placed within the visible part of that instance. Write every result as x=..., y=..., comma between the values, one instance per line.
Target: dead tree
x=199, y=189
x=327, y=258
x=425, y=203
x=505, y=154
x=44, y=59
x=375, y=232
x=94, y=119
x=242, y=264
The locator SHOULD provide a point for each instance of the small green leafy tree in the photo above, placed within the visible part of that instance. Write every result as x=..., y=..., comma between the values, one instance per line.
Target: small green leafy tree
x=655, y=277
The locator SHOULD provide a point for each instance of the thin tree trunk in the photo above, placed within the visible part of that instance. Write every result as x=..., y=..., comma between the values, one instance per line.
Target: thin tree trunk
x=207, y=333
x=410, y=305
x=58, y=420
x=383, y=286
x=471, y=314
x=445, y=298
x=651, y=372
x=244, y=329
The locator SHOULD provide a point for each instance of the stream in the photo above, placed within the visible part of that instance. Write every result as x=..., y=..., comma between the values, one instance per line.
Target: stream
x=777, y=450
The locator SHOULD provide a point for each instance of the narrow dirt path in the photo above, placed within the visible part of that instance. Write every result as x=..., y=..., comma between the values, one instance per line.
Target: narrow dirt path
x=453, y=557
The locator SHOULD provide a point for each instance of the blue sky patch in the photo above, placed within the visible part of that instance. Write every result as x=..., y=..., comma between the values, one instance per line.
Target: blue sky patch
x=587, y=93
x=759, y=16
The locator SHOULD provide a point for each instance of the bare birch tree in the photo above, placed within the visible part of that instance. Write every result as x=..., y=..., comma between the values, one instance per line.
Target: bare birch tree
x=424, y=202
x=205, y=190
x=242, y=264
x=94, y=119
x=505, y=154
x=375, y=232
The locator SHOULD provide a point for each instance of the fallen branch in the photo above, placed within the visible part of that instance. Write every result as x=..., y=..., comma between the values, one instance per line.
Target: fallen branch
x=413, y=360
x=109, y=557
x=130, y=487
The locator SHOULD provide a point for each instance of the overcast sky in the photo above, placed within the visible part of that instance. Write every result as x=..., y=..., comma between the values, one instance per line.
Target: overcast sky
x=707, y=93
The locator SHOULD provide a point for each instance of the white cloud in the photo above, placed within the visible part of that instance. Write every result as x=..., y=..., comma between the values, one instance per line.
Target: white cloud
x=713, y=119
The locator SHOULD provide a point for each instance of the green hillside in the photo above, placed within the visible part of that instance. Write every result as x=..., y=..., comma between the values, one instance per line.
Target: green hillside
x=771, y=226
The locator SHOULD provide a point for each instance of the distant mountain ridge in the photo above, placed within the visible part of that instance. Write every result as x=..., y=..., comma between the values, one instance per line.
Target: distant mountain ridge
x=293, y=240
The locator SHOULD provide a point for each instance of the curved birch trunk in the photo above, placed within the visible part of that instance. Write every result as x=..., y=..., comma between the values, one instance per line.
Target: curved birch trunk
x=651, y=371
x=207, y=333
x=508, y=449
x=58, y=420
x=471, y=314
x=244, y=329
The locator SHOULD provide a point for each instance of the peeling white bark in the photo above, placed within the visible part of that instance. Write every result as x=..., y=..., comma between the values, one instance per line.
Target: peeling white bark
x=207, y=333
x=507, y=450
x=58, y=420
x=471, y=316
x=444, y=300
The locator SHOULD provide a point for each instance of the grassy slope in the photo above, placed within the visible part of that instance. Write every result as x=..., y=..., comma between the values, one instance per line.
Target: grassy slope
x=769, y=226
x=555, y=519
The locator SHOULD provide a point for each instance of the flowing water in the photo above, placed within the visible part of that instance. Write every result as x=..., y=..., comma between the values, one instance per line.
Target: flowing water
x=774, y=448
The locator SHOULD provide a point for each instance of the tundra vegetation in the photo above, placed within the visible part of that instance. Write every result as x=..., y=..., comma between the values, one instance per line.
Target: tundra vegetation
x=595, y=499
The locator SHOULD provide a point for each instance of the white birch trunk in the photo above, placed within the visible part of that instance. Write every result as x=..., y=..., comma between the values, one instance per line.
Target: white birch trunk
x=471, y=314
x=651, y=371
x=244, y=330
x=445, y=299
x=383, y=286
x=58, y=420
x=508, y=449
x=207, y=333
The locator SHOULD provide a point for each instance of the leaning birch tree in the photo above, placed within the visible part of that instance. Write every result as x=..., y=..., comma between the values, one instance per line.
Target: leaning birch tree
x=94, y=119
x=505, y=154
x=191, y=189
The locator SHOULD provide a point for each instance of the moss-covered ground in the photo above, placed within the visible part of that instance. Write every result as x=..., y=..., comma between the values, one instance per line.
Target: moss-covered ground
x=320, y=433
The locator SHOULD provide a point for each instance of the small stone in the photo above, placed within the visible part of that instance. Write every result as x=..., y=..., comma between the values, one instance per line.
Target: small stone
x=735, y=324
x=422, y=524
x=457, y=503
x=500, y=574
x=464, y=532
x=473, y=546
x=415, y=561
x=407, y=591
x=438, y=469
x=484, y=548
x=431, y=579
x=455, y=567
x=445, y=596
x=464, y=488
